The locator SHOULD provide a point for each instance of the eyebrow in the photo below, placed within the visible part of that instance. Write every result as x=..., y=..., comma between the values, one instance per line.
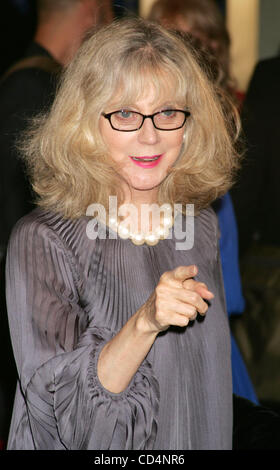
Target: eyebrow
x=166, y=104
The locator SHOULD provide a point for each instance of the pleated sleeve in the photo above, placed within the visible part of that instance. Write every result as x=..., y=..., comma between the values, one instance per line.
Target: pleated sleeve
x=56, y=347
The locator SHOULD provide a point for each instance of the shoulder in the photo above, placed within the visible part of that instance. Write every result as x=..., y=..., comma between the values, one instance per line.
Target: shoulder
x=40, y=226
x=208, y=220
x=266, y=76
x=49, y=229
x=35, y=225
x=196, y=240
x=269, y=65
x=26, y=87
x=22, y=77
x=43, y=238
x=206, y=230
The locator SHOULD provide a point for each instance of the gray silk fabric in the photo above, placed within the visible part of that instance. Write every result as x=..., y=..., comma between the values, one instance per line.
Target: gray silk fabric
x=67, y=295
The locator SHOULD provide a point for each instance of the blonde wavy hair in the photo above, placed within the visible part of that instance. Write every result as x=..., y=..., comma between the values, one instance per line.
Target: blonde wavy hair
x=68, y=162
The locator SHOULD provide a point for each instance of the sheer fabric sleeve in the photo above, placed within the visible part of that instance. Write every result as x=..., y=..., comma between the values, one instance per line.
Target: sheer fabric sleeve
x=56, y=349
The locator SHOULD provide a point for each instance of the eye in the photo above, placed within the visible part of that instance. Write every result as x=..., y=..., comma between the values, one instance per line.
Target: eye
x=168, y=113
x=124, y=114
x=126, y=117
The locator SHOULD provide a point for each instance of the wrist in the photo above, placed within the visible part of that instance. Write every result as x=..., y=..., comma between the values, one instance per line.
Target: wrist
x=144, y=319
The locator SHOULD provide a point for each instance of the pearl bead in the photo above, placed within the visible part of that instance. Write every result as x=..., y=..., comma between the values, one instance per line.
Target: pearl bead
x=123, y=232
x=151, y=239
x=113, y=222
x=162, y=232
x=137, y=238
x=168, y=222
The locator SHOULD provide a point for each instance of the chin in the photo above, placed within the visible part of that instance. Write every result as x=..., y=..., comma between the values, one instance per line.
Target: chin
x=146, y=185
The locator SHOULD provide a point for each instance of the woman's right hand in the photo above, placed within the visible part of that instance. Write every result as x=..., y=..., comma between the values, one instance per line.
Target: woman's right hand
x=176, y=300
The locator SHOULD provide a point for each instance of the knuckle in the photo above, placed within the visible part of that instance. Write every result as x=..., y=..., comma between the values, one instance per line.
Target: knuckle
x=192, y=311
x=165, y=276
x=188, y=284
x=184, y=321
x=179, y=269
x=194, y=297
x=160, y=291
x=193, y=317
x=205, y=308
x=158, y=304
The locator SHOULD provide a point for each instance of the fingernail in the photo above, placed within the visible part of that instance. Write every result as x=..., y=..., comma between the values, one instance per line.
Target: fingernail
x=194, y=269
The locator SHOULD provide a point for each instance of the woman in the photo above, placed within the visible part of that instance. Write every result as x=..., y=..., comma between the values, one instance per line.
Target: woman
x=113, y=345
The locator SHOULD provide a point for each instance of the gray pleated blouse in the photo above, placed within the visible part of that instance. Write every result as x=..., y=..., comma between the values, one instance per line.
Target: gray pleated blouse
x=67, y=296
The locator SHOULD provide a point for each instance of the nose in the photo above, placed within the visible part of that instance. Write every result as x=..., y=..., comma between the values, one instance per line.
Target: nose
x=148, y=134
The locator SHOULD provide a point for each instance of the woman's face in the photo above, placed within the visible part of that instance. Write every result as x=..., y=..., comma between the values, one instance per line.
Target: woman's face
x=145, y=155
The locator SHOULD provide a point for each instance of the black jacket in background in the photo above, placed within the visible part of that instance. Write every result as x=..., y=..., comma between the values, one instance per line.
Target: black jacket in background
x=23, y=94
x=256, y=196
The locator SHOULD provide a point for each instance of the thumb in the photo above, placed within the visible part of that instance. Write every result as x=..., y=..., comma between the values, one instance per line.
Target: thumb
x=185, y=272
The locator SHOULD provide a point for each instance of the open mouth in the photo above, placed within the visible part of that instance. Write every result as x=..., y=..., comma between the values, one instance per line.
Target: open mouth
x=146, y=159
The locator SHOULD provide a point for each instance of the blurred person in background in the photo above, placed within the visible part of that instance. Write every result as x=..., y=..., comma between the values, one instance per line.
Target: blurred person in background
x=17, y=25
x=28, y=88
x=202, y=23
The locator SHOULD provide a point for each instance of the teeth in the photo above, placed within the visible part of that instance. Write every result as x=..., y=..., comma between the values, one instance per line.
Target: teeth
x=144, y=159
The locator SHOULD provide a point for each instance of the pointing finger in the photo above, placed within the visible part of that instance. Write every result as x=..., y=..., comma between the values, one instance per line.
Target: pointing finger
x=199, y=287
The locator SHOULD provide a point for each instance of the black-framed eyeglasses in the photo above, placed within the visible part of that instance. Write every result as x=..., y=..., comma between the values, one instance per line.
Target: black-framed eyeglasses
x=125, y=120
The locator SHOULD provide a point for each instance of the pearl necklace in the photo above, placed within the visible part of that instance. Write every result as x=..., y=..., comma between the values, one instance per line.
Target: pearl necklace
x=139, y=238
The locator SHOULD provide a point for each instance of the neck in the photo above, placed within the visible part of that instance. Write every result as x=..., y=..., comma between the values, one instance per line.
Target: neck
x=138, y=197
x=141, y=213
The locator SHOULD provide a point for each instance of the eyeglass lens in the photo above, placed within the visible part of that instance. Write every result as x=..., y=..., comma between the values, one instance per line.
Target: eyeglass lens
x=129, y=120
